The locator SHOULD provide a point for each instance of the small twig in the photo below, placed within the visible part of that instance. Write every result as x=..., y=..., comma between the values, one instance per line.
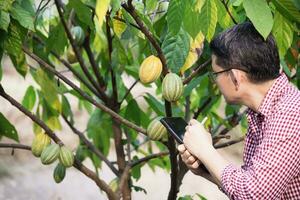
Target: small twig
x=15, y=146
x=69, y=67
x=51, y=134
x=83, y=94
x=187, y=108
x=30, y=115
x=90, y=146
x=128, y=91
x=227, y=9
x=131, y=10
x=123, y=20
x=196, y=71
x=202, y=107
x=226, y=144
x=147, y=158
x=58, y=4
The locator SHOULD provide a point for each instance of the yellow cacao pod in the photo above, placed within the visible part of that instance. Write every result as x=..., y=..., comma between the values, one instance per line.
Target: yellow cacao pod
x=50, y=154
x=150, y=69
x=156, y=130
x=66, y=157
x=40, y=142
x=172, y=87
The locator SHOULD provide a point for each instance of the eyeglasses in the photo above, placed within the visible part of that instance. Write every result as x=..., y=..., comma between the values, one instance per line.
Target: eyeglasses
x=213, y=75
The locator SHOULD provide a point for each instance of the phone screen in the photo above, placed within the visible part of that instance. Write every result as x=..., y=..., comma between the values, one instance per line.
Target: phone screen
x=175, y=126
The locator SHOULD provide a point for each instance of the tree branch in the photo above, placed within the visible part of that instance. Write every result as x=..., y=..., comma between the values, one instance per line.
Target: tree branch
x=196, y=71
x=201, y=108
x=227, y=9
x=90, y=146
x=128, y=91
x=131, y=10
x=30, y=115
x=51, y=134
x=173, y=158
x=147, y=158
x=69, y=67
x=110, y=49
x=83, y=94
x=15, y=146
x=58, y=4
x=226, y=144
x=92, y=60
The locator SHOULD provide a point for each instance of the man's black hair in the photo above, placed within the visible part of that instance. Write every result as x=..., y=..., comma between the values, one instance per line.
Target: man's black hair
x=242, y=47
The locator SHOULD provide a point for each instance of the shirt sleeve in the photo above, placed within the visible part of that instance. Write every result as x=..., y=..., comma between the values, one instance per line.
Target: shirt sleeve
x=276, y=162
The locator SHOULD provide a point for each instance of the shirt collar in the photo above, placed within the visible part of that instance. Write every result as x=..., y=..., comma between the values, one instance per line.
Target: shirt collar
x=273, y=95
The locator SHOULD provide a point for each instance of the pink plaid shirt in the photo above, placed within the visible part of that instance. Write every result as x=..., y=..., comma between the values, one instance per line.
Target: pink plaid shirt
x=271, y=167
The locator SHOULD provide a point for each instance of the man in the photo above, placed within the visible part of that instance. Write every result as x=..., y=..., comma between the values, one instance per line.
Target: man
x=247, y=71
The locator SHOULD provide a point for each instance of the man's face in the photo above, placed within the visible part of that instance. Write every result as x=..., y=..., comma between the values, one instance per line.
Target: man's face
x=224, y=82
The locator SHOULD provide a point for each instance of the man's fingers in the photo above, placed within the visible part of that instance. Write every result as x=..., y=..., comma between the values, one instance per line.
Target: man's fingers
x=195, y=165
x=181, y=148
x=193, y=122
x=191, y=160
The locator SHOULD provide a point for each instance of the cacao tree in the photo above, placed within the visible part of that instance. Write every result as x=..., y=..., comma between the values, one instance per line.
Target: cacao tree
x=163, y=44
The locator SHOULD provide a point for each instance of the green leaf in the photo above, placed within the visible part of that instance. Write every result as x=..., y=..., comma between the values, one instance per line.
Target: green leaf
x=99, y=129
x=283, y=33
x=101, y=8
x=194, y=83
x=176, y=49
x=156, y=105
x=209, y=18
x=6, y=4
x=48, y=89
x=297, y=4
x=57, y=39
x=224, y=18
x=22, y=16
x=82, y=11
x=201, y=197
x=20, y=63
x=133, y=112
x=4, y=20
x=288, y=9
x=13, y=43
x=191, y=20
x=174, y=16
x=7, y=129
x=29, y=98
x=136, y=170
x=260, y=15
x=286, y=68
x=66, y=109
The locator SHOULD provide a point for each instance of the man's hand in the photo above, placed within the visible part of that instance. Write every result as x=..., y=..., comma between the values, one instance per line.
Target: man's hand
x=191, y=161
x=197, y=140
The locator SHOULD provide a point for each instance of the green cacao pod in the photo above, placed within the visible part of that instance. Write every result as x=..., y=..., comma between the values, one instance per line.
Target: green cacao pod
x=156, y=130
x=66, y=157
x=78, y=35
x=71, y=57
x=150, y=69
x=172, y=87
x=40, y=142
x=59, y=173
x=50, y=154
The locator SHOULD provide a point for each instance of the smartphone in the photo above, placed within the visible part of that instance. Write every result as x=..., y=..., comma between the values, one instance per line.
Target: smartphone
x=175, y=126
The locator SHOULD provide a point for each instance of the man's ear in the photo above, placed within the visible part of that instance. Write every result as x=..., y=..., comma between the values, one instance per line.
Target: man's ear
x=236, y=78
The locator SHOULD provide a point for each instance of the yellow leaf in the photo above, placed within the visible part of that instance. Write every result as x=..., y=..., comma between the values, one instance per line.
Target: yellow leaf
x=119, y=27
x=101, y=9
x=199, y=4
x=196, y=48
x=53, y=123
